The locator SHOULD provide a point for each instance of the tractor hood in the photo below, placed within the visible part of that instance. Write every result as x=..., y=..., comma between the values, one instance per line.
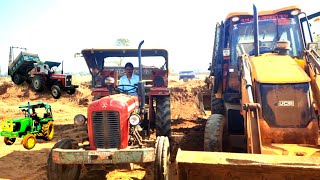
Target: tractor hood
x=118, y=102
x=20, y=119
x=111, y=111
x=270, y=68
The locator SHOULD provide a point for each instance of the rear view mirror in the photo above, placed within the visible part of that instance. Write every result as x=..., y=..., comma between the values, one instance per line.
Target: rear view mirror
x=313, y=46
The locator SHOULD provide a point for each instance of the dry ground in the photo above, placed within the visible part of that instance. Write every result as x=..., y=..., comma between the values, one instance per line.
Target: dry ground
x=18, y=163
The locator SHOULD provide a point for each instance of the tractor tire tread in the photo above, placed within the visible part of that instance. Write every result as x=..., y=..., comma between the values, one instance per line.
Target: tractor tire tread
x=213, y=134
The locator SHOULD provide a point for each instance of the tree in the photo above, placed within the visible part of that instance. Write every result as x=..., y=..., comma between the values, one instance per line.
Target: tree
x=121, y=42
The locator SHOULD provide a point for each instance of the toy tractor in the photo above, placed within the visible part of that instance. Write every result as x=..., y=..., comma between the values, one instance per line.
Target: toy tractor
x=120, y=126
x=45, y=76
x=30, y=127
x=28, y=67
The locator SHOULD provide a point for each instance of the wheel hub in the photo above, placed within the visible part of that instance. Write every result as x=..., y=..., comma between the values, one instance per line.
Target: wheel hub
x=54, y=92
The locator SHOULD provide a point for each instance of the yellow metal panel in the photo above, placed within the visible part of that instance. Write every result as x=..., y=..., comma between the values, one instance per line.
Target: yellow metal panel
x=221, y=165
x=273, y=68
x=290, y=150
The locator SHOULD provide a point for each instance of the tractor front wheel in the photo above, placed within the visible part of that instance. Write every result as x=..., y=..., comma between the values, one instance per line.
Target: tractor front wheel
x=213, y=133
x=162, y=160
x=55, y=91
x=29, y=141
x=48, y=131
x=38, y=83
x=9, y=141
x=63, y=171
x=163, y=116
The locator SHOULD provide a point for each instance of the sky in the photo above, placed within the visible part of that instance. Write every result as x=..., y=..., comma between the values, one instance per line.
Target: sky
x=57, y=29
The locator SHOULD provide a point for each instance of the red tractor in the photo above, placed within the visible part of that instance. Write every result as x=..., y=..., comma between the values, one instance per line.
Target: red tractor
x=122, y=128
x=45, y=76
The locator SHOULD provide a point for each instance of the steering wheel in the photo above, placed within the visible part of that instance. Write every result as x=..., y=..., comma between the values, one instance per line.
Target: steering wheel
x=126, y=91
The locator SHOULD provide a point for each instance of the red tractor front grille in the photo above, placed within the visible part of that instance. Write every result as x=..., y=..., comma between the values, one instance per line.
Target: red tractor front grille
x=68, y=80
x=106, y=130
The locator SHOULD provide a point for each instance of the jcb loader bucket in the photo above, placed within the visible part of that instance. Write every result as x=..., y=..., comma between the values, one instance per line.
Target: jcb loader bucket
x=203, y=101
x=203, y=97
x=221, y=165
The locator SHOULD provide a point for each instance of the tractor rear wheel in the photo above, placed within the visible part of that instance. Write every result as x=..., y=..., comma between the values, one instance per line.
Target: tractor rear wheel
x=38, y=83
x=9, y=141
x=163, y=116
x=48, y=131
x=162, y=160
x=213, y=133
x=29, y=141
x=63, y=171
x=55, y=91
x=217, y=106
x=17, y=79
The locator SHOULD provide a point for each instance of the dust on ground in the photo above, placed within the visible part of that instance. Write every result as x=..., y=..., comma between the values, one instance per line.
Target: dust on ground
x=19, y=163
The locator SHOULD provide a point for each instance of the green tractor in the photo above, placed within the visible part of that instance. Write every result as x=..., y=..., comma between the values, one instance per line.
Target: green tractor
x=30, y=127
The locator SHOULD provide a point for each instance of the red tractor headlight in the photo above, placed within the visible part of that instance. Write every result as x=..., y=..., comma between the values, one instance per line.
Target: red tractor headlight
x=134, y=119
x=79, y=120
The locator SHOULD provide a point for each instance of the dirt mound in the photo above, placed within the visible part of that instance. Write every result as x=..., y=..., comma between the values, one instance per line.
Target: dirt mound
x=183, y=99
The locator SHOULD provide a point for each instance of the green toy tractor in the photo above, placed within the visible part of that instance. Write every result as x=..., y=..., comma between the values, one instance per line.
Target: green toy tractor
x=30, y=127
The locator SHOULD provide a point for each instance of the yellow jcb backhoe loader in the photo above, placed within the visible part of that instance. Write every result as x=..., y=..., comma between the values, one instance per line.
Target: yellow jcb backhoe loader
x=265, y=101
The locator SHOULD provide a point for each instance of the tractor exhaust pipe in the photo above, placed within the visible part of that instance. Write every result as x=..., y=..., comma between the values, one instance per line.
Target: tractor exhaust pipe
x=62, y=67
x=139, y=56
x=141, y=85
x=256, y=31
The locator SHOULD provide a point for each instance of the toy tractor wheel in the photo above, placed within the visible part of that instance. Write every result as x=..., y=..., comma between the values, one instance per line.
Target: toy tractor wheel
x=71, y=91
x=48, y=131
x=55, y=91
x=17, y=79
x=162, y=160
x=9, y=141
x=38, y=83
x=213, y=133
x=29, y=141
x=163, y=116
x=63, y=171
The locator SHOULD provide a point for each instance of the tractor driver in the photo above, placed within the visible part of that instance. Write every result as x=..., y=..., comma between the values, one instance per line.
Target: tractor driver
x=34, y=115
x=47, y=70
x=129, y=79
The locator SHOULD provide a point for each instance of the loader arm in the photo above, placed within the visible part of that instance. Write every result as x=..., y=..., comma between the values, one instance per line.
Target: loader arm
x=250, y=109
x=313, y=63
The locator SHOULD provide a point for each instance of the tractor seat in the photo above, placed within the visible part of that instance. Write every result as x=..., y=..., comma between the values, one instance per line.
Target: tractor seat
x=46, y=115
